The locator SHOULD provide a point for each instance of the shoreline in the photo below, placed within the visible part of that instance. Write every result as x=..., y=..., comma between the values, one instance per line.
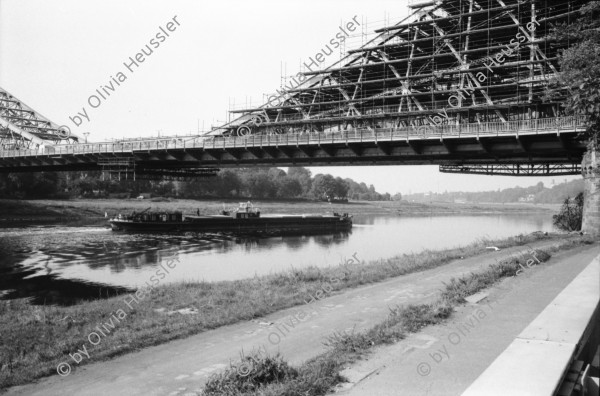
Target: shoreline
x=176, y=311
x=82, y=212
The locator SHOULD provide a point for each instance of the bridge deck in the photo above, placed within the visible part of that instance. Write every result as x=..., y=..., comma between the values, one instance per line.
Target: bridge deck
x=528, y=141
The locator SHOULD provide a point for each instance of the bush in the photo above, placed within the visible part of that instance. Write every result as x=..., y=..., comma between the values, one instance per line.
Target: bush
x=252, y=373
x=571, y=214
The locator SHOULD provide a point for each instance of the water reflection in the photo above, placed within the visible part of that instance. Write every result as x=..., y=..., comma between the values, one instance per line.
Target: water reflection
x=58, y=265
x=65, y=265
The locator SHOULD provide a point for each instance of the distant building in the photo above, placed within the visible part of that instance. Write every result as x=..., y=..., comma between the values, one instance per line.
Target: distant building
x=527, y=198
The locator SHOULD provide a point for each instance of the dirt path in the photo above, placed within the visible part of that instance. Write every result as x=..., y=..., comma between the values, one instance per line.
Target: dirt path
x=181, y=367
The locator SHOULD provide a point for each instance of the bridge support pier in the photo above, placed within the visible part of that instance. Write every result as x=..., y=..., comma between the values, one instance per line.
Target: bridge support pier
x=590, y=168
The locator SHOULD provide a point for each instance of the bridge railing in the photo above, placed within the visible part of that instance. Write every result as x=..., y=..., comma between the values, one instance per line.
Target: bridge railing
x=571, y=123
x=534, y=126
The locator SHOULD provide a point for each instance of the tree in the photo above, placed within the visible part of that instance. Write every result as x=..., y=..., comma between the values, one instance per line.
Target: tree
x=571, y=214
x=276, y=173
x=260, y=185
x=324, y=186
x=580, y=67
x=164, y=188
x=341, y=188
x=289, y=187
x=229, y=183
x=303, y=176
x=539, y=187
x=33, y=185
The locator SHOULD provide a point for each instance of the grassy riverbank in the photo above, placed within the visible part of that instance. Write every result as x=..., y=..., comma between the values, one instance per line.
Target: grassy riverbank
x=92, y=211
x=259, y=375
x=37, y=338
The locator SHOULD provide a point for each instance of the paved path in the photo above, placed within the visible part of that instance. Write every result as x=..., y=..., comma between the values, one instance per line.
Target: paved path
x=446, y=359
x=182, y=366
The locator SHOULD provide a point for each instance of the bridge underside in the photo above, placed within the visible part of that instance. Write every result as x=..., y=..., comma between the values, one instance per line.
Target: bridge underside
x=563, y=148
x=514, y=169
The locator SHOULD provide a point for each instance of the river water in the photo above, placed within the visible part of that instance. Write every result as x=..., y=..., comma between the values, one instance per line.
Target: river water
x=60, y=265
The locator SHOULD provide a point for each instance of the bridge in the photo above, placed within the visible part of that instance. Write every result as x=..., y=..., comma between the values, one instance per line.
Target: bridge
x=458, y=83
x=542, y=146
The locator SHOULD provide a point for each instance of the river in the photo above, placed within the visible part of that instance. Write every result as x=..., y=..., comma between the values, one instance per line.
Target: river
x=60, y=265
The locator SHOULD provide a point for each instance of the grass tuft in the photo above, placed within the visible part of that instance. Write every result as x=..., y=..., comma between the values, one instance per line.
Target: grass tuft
x=457, y=289
x=250, y=374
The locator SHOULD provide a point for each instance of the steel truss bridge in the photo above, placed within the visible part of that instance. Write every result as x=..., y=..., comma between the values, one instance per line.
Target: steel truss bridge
x=458, y=83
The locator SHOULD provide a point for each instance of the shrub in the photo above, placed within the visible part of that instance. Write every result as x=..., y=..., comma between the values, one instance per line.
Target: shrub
x=571, y=214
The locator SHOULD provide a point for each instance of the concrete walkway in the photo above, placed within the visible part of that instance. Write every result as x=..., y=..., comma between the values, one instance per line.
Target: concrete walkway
x=182, y=366
x=446, y=359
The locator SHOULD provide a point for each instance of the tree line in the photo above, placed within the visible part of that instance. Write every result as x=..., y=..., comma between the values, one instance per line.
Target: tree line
x=536, y=194
x=273, y=183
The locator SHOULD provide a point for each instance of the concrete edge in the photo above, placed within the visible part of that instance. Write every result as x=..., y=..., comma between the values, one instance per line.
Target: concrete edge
x=536, y=361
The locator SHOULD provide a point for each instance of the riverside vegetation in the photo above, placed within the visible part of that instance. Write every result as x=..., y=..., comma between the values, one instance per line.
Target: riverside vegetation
x=37, y=338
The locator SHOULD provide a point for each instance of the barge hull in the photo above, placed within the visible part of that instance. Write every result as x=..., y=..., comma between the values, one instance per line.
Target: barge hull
x=261, y=225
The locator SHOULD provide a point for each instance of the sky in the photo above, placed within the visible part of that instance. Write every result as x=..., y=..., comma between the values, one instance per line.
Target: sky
x=55, y=55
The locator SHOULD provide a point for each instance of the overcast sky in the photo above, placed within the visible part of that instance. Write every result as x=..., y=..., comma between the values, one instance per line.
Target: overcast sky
x=54, y=55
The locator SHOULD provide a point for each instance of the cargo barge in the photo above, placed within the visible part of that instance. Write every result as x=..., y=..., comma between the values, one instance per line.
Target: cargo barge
x=244, y=220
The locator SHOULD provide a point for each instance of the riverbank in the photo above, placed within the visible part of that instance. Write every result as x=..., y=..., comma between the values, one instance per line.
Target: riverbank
x=335, y=370
x=92, y=211
x=176, y=311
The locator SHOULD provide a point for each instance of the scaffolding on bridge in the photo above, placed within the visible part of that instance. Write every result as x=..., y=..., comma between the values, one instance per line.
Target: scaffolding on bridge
x=126, y=168
x=21, y=127
x=450, y=62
